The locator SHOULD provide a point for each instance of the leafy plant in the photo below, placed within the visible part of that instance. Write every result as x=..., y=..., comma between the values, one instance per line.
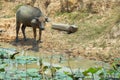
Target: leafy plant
x=52, y=72
x=2, y=67
x=25, y=59
x=0, y=5
x=16, y=7
x=7, y=53
x=33, y=73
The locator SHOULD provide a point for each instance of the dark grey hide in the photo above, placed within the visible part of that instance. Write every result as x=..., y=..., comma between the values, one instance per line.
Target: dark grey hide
x=30, y=16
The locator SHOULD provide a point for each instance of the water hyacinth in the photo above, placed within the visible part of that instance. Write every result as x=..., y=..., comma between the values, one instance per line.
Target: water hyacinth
x=8, y=53
x=9, y=69
x=25, y=59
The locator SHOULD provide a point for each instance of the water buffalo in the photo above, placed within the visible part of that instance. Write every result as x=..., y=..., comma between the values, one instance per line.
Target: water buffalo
x=31, y=17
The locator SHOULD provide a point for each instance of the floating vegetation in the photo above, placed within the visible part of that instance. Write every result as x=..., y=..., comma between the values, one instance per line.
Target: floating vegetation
x=7, y=53
x=25, y=59
x=9, y=69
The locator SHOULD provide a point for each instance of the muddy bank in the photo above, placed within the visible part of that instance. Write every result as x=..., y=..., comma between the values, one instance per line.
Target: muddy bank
x=55, y=42
x=57, y=59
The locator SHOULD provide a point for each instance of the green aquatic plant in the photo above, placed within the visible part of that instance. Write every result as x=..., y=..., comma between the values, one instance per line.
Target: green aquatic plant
x=2, y=67
x=49, y=71
x=25, y=59
x=8, y=53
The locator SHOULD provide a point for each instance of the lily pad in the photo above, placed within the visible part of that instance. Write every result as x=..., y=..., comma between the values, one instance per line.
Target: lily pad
x=25, y=59
x=2, y=67
x=62, y=76
x=8, y=53
x=21, y=73
x=33, y=73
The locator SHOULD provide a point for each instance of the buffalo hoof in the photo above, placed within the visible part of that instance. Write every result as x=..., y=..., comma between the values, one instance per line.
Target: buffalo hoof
x=42, y=28
x=40, y=41
x=16, y=40
x=35, y=43
x=25, y=39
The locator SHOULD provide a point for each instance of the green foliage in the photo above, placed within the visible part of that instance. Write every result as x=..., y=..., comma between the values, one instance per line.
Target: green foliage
x=7, y=53
x=91, y=70
x=90, y=26
x=25, y=59
x=113, y=72
x=62, y=76
x=48, y=72
x=2, y=67
x=16, y=7
x=73, y=16
x=0, y=5
x=33, y=73
x=8, y=16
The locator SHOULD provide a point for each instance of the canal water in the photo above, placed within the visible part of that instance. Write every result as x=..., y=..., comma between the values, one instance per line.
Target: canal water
x=56, y=59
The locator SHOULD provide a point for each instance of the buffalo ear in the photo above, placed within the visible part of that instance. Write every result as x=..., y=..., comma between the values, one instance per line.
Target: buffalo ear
x=34, y=21
x=47, y=19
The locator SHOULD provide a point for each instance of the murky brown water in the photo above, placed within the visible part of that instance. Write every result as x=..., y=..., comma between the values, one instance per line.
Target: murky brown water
x=60, y=59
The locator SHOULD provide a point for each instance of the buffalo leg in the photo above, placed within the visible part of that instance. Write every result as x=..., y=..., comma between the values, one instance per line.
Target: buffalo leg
x=34, y=33
x=17, y=30
x=40, y=33
x=23, y=31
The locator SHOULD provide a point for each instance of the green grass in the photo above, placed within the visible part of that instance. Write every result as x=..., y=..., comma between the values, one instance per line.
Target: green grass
x=16, y=7
x=73, y=16
x=0, y=5
x=8, y=16
x=89, y=29
x=90, y=26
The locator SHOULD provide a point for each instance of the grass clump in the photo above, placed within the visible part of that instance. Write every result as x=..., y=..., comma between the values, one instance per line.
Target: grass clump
x=73, y=16
x=16, y=8
x=0, y=5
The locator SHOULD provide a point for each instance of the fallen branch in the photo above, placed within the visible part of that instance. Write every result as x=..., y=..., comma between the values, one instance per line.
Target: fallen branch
x=65, y=27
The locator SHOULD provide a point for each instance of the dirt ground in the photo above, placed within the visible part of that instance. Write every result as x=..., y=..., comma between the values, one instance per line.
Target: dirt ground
x=53, y=42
